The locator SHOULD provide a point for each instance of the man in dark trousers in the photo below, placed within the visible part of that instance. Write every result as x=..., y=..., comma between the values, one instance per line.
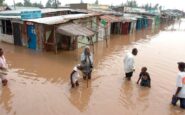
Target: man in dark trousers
x=180, y=83
x=129, y=63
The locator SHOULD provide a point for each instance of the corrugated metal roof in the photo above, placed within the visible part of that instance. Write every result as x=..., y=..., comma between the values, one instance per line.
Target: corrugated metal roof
x=43, y=11
x=72, y=29
x=78, y=16
x=129, y=17
x=3, y=8
x=49, y=20
x=16, y=12
x=50, y=10
x=110, y=18
x=132, y=15
x=125, y=18
x=107, y=12
x=10, y=17
x=59, y=19
x=22, y=7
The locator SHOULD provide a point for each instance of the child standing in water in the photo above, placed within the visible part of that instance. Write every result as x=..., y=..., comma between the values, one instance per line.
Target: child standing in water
x=144, y=77
x=75, y=75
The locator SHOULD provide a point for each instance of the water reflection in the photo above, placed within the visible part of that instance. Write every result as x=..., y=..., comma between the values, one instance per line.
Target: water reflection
x=80, y=97
x=175, y=110
x=126, y=95
x=5, y=98
x=143, y=99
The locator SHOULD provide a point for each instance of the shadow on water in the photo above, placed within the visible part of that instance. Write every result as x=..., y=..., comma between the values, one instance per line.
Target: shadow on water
x=5, y=99
x=143, y=98
x=80, y=97
x=126, y=95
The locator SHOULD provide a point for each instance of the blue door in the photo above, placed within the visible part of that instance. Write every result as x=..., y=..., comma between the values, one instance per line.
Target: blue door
x=32, y=39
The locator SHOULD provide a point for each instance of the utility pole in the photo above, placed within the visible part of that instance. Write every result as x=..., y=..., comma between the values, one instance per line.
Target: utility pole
x=81, y=1
x=14, y=4
x=122, y=7
x=55, y=3
x=96, y=2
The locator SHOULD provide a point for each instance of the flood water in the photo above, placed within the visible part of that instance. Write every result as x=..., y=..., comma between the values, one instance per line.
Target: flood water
x=39, y=82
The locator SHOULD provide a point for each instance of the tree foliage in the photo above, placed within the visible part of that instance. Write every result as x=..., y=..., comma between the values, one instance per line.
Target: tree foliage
x=150, y=7
x=27, y=3
x=156, y=6
x=131, y=3
x=160, y=8
x=51, y=3
x=96, y=2
x=1, y=2
x=19, y=4
x=147, y=6
x=37, y=5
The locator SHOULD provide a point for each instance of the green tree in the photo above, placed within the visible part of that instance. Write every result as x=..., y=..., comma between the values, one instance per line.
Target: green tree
x=150, y=6
x=27, y=3
x=48, y=4
x=51, y=3
x=96, y=2
x=146, y=6
x=1, y=2
x=19, y=4
x=160, y=8
x=156, y=6
x=132, y=3
x=37, y=5
x=58, y=3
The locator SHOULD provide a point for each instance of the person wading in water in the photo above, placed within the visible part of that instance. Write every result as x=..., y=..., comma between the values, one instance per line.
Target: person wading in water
x=87, y=63
x=129, y=63
x=3, y=68
x=180, y=83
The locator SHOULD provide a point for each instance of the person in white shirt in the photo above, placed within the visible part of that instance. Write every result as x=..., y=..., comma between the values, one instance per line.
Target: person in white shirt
x=129, y=63
x=180, y=92
x=75, y=75
x=3, y=68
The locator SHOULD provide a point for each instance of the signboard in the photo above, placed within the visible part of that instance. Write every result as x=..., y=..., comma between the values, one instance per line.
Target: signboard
x=104, y=22
x=31, y=14
x=96, y=6
x=29, y=23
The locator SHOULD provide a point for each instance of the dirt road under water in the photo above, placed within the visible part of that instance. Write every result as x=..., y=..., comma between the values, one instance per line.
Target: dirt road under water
x=39, y=82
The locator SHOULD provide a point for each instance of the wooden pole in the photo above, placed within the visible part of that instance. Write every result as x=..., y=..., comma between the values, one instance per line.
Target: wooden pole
x=87, y=81
x=14, y=4
x=55, y=41
x=106, y=36
x=5, y=27
x=55, y=3
x=44, y=30
x=91, y=43
x=97, y=27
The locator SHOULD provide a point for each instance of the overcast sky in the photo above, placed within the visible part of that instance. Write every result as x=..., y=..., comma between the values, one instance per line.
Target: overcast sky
x=179, y=4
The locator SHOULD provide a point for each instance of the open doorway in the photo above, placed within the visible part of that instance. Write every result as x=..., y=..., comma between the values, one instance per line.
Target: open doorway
x=6, y=27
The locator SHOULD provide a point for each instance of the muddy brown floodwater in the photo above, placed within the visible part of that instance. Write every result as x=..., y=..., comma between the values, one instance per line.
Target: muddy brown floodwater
x=39, y=82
